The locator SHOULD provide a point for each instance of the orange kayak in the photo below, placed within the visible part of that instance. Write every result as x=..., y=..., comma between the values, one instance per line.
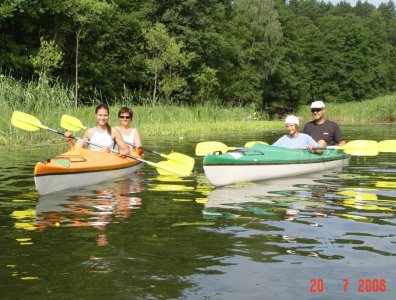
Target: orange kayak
x=81, y=167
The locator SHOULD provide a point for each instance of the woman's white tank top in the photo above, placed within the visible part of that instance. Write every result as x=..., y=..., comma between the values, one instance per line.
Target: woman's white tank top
x=102, y=138
x=130, y=138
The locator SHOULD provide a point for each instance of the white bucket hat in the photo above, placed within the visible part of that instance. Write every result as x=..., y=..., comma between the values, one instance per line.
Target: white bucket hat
x=292, y=120
x=318, y=104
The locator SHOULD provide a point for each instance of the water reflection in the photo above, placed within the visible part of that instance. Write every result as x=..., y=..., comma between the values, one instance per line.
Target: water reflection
x=93, y=206
x=181, y=189
x=159, y=237
x=286, y=196
x=275, y=218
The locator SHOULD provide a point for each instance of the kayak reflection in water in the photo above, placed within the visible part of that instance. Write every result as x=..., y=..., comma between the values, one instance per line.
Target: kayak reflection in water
x=102, y=134
x=295, y=139
x=91, y=208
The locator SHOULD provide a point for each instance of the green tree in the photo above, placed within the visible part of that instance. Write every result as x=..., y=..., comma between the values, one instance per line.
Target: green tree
x=166, y=61
x=207, y=84
x=85, y=14
x=292, y=80
x=48, y=58
x=7, y=8
x=387, y=13
x=350, y=59
x=259, y=34
x=203, y=28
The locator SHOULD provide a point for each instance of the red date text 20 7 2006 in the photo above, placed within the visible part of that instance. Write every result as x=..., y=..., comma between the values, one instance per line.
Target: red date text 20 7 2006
x=364, y=285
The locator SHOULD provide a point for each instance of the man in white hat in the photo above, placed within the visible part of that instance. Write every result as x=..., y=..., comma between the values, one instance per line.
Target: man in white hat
x=325, y=132
x=295, y=139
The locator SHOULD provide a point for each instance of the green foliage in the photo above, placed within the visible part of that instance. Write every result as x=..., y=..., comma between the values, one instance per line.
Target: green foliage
x=378, y=110
x=7, y=8
x=43, y=98
x=166, y=61
x=86, y=12
x=47, y=59
x=34, y=95
x=339, y=54
x=49, y=100
x=207, y=84
x=266, y=52
x=259, y=33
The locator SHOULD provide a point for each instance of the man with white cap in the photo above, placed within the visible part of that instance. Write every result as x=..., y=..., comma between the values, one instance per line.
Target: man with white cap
x=325, y=132
x=295, y=139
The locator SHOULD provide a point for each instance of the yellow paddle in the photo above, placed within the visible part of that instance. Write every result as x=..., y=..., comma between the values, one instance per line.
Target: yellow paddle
x=73, y=124
x=31, y=123
x=387, y=146
x=204, y=148
x=252, y=143
x=357, y=148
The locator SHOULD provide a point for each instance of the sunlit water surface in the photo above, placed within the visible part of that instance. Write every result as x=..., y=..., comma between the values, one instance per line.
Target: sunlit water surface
x=320, y=236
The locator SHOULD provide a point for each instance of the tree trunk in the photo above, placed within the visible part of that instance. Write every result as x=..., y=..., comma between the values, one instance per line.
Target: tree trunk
x=155, y=86
x=76, y=66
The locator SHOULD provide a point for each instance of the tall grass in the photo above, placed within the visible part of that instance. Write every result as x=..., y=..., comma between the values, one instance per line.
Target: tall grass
x=48, y=101
x=43, y=98
x=378, y=110
x=176, y=121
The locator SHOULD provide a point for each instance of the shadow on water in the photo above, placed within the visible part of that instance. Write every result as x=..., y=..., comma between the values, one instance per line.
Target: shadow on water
x=155, y=237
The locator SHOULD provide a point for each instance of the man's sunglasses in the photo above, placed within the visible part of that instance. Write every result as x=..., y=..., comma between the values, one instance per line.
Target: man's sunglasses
x=124, y=117
x=316, y=109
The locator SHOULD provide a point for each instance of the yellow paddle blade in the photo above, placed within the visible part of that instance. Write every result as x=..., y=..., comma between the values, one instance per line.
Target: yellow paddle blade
x=169, y=168
x=386, y=184
x=359, y=145
x=71, y=123
x=252, y=143
x=204, y=148
x=26, y=121
x=362, y=152
x=187, y=161
x=387, y=146
x=358, y=148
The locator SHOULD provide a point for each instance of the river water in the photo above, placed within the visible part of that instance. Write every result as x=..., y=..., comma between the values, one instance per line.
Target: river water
x=328, y=236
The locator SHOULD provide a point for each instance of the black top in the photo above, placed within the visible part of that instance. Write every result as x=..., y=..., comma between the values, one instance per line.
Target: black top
x=328, y=131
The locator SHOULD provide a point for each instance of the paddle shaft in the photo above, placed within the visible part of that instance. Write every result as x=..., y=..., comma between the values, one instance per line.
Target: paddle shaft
x=144, y=148
x=131, y=156
x=341, y=148
x=326, y=148
x=97, y=145
x=100, y=146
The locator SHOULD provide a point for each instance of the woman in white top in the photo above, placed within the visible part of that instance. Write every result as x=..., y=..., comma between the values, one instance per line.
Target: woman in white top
x=295, y=139
x=129, y=134
x=102, y=134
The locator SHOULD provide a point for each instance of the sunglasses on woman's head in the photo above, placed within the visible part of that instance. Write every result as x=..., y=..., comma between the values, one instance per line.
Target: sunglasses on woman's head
x=316, y=109
x=124, y=117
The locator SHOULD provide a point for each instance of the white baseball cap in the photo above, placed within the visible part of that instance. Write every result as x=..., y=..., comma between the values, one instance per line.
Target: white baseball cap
x=292, y=120
x=318, y=104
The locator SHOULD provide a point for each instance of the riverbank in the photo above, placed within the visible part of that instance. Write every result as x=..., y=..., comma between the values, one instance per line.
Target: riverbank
x=48, y=104
x=378, y=110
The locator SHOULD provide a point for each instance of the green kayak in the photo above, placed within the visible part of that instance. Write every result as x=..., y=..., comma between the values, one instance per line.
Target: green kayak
x=262, y=162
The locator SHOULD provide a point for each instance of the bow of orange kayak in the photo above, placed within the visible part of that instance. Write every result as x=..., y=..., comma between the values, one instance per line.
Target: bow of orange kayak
x=81, y=167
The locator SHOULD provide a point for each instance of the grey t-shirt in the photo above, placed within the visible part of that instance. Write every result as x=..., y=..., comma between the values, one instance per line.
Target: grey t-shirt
x=328, y=131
